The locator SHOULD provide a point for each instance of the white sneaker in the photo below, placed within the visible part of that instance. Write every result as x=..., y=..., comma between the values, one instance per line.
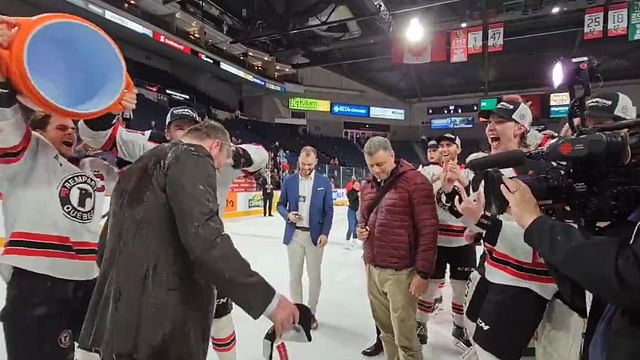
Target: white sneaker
x=350, y=245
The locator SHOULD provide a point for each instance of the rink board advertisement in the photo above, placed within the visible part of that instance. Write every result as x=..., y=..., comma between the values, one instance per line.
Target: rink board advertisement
x=340, y=197
x=239, y=204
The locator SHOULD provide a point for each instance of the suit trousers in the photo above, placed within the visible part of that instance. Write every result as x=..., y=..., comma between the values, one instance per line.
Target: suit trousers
x=394, y=311
x=301, y=248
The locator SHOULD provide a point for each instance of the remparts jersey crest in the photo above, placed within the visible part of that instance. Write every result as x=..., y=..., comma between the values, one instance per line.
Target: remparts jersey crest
x=77, y=194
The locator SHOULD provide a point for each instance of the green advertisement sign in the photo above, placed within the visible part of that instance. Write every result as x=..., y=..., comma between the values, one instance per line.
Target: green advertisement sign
x=487, y=104
x=307, y=104
x=634, y=20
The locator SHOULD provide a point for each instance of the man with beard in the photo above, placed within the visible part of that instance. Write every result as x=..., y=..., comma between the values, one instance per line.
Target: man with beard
x=306, y=204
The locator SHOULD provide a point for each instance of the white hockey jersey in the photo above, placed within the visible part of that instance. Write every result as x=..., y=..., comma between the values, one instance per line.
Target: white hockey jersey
x=510, y=261
x=450, y=229
x=131, y=144
x=51, y=207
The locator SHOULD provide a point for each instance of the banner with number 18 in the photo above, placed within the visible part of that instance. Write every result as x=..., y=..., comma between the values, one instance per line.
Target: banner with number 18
x=617, y=19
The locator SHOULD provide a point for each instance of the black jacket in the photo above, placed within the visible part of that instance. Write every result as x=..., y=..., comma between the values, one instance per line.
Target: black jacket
x=606, y=264
x=354, y=199
x=163, y=258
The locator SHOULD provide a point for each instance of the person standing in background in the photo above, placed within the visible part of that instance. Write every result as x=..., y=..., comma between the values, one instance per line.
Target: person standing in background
x=306, y=204
x=267, y=194
x=352, y=213
x=433, y=155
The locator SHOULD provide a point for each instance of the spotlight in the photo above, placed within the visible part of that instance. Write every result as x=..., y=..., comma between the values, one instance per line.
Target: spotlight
x=558, y=74
x=555, y=10
x=415, y=31
x=463, y=25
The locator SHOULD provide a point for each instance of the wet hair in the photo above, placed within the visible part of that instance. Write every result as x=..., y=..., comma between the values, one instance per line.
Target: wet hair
x=39, y=121
x=208, y=130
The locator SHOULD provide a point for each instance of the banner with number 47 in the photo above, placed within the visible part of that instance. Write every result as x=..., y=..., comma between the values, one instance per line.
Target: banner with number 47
x=496, y=37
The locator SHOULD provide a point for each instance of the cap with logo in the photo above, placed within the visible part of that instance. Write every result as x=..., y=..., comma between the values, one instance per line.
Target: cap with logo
x=432, y=145
x=183, y=113
x=617, y=106
x=515, y=111
x=448, y=137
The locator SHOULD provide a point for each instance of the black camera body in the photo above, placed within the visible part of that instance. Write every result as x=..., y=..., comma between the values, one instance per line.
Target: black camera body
x=586, y=179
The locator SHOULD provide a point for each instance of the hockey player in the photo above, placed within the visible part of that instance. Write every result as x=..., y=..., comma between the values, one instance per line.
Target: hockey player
x=433, y=153
x=51, y=209
x=512, y=295
x=109, y=135
x=453, y=249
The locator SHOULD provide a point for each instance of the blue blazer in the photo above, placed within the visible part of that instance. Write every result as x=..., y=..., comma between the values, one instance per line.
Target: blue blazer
x=320, y=209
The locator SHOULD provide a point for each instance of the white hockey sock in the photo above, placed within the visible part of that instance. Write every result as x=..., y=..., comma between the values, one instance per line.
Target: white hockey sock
x=425, y=302
x=459, y=288
x=223, y=338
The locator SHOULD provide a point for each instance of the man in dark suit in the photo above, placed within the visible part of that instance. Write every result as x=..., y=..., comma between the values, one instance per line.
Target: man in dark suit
x=306, y=204
x=166, y=254
x=267, y=194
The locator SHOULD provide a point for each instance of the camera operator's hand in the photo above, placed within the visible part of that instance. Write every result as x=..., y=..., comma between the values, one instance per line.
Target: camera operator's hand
x=523, y=205
x=471, y=208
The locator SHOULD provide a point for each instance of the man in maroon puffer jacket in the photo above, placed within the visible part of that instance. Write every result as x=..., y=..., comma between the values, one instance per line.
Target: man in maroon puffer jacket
x=400, y=245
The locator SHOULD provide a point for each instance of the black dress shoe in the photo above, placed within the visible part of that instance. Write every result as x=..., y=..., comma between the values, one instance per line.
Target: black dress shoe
x=373, y=350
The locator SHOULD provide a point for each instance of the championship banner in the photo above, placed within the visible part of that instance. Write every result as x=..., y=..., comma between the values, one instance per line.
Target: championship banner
x=634, y=21
x=593, y=23
x=618, y=19
x=495, y=37
x=474, y=40
x=458, y=45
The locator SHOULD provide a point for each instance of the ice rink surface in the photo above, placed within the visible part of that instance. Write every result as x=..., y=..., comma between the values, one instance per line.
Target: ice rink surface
x=346, y=326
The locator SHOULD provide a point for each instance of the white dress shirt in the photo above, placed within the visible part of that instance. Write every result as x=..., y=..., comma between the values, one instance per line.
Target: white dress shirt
x=304, y=198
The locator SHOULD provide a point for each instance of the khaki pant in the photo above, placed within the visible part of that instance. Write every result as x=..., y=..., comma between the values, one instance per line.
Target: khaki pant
x=394, y=311
x=298, y=250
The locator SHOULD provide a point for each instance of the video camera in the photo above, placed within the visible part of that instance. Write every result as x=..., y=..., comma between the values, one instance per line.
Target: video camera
x=589, y=178
x=586, y=179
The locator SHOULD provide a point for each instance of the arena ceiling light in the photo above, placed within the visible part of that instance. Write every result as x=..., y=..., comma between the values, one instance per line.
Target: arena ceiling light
x=415, y=31
x=555, y=10
x=557, y=75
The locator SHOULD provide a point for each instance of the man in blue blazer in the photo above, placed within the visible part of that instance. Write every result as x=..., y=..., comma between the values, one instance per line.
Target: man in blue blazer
x=306, y=204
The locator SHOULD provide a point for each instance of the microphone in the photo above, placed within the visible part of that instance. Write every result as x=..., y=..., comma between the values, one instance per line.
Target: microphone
x=503, y=160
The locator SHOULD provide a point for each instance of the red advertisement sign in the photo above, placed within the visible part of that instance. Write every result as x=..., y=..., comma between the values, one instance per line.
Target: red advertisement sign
x=171, y=42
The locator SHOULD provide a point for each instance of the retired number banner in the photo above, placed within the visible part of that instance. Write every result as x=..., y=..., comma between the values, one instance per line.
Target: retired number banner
x=618, y=19
x=495, y=37
x=593, y=23
x=474, y=42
